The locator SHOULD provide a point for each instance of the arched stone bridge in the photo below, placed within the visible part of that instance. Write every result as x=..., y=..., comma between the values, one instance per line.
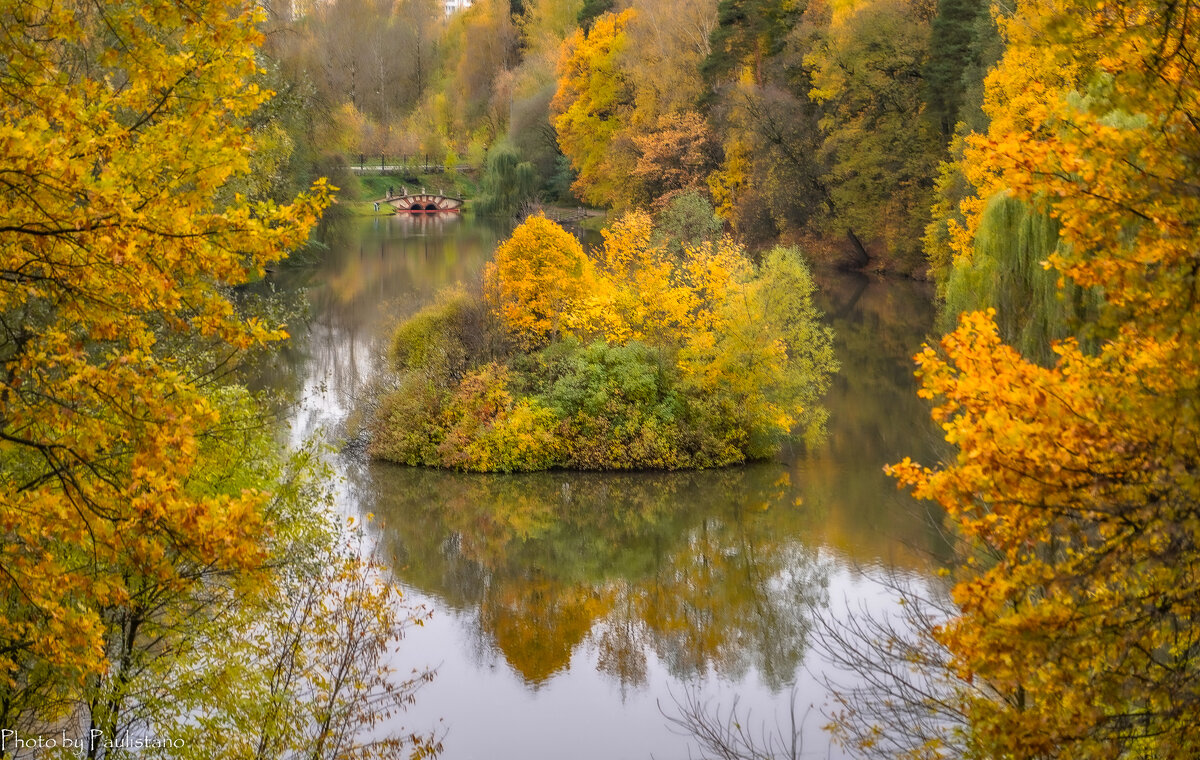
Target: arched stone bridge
x=421, y=202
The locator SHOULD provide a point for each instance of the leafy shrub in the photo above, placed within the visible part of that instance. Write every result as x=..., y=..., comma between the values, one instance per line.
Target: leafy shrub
x=404, y=428
x=620, y=404
x=480, y=426
x=522, y=438
x=442, y=340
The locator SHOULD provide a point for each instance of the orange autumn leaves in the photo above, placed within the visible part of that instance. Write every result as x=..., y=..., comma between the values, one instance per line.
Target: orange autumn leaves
x=543, y=286
x=1075, y=486
x=626, y=121
x=1072, y=492
x=544, y=272
x=114, y=302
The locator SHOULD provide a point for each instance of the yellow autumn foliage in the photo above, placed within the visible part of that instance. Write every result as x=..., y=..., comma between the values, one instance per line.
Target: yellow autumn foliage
x=124, y=124
x=636, y=356
x=1076, y=485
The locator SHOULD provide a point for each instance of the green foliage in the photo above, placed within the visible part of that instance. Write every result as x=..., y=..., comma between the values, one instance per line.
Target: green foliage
x=960, y=100
x=432, y=352
x=1009, y=272
x=478, y=405
x=443, y=339
x=689, y=219
x=952, y=53
x=507, y=184
x=560, y=183
x=785, y=293
x=532, y=137
x=747, y=30
x=472, y=424
x=621, y=404
x=598, y=377
x=428, y=341
x=767, y=367
x=593, y=9
x=404, y=428
x=987, y=47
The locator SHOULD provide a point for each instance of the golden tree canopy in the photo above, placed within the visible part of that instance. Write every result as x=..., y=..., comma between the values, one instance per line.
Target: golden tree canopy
x=1078, y=484
x=120, y=125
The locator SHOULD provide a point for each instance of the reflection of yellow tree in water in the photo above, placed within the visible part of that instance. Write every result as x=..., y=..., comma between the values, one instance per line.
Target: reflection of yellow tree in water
x=620, y=640
x=688, y=566
x=539, y=623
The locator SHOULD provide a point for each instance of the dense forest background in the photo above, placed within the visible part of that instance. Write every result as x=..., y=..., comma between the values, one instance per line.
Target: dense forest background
x=831, y=124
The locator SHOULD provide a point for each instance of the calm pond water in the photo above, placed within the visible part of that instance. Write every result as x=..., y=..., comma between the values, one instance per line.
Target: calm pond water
x=572, y=609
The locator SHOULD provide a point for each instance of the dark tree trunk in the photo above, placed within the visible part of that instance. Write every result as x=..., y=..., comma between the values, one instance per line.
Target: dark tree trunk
x=859, y=257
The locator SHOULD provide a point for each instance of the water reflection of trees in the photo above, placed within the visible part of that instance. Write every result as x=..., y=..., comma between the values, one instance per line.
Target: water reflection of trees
x=706, y=570
x=875, y=418
x=340, y=305
x=710, y=571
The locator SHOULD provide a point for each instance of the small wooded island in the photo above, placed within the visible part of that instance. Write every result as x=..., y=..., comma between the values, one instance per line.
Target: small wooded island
x=651, y=353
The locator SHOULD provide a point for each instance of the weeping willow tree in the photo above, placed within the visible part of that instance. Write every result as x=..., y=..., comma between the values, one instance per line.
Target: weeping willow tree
x=507, y=183
x=1006, y=272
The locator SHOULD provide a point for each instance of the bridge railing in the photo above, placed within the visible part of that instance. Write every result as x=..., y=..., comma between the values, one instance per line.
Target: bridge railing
x=363, y=163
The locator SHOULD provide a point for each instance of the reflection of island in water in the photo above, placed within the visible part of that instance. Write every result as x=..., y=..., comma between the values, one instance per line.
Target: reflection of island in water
x=705, y=569
x=633, y=573
x=717, y=570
